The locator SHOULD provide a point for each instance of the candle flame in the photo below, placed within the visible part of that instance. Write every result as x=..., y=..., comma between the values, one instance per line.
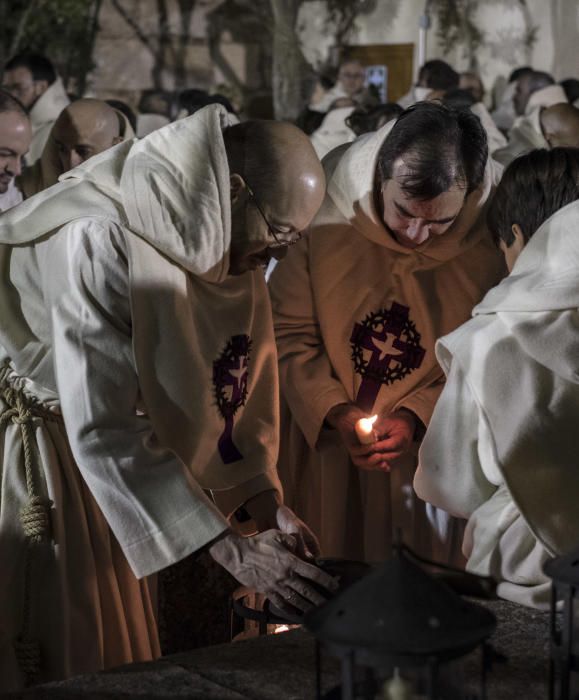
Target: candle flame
x=281, y=628
x=367, y=423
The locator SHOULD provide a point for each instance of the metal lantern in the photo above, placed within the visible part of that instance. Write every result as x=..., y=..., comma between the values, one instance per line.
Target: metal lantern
x=564, y=661
x=393, y=629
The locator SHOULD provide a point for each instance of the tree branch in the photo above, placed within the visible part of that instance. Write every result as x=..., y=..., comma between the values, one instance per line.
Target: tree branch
x=134, y=26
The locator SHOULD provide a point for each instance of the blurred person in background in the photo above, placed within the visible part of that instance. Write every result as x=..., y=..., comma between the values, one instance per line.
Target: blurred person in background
x=15, y=138
x=32, y=79
x=84, y=129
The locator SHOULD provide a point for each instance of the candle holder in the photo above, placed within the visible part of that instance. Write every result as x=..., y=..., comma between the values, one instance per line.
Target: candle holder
x=564, y=656
x=393, y=631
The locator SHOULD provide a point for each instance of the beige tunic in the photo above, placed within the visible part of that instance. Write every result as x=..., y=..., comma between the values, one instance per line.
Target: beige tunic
x=347, y=284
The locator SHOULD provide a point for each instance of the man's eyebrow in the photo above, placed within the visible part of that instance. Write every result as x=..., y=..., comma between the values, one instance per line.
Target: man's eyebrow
x=405, y=212
x=8, y=151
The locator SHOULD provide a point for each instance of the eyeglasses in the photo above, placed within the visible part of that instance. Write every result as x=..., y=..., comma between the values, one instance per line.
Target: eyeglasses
x=280, y=242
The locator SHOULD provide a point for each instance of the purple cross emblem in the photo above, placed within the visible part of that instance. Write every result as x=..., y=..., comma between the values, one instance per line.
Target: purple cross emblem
x=395, y=351
x=230, y=375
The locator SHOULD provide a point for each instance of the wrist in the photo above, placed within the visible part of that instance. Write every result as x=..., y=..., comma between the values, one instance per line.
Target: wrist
x=222, y=549
x=337, y=414
x=418, y=428
x=262, y=508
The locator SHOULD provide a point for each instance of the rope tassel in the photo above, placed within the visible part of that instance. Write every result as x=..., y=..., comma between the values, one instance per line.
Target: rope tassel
x=35, y=519
x=28, y=656
x=36, y=525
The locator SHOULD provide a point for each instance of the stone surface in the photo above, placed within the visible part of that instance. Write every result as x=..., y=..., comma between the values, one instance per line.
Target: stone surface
x=282, y=667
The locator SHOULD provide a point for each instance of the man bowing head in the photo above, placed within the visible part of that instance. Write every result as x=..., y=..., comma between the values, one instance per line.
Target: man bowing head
x=145, y=376
x=398, y=252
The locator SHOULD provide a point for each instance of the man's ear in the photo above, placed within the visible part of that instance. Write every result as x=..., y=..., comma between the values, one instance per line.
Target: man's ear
x=237, y=187
x=519, y=242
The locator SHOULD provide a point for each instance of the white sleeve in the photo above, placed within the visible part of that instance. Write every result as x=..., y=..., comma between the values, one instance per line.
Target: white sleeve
x=155, y=508
x=450, y=474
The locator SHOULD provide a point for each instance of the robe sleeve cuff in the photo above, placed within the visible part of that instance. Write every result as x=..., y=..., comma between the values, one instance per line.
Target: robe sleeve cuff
x=229, y=500
x=312, y=423
x=196, y=529
x=422, y=403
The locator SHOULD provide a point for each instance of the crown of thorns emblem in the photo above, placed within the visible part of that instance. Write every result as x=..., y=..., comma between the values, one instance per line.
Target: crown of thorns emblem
x=230, y=375
x=393, y=342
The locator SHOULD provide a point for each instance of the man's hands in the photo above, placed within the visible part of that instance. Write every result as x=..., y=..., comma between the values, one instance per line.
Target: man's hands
x=394, y=433
x=268, y=513
x=267, y=563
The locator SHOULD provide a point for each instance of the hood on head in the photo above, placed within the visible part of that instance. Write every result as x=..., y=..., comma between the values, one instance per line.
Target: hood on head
x=351, y=180
x=49, y=105
x=544, y=277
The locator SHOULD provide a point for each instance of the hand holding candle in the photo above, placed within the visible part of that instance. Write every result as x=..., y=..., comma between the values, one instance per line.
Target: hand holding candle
x=365, y=430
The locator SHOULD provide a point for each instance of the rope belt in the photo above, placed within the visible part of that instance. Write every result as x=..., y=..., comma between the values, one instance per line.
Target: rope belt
x=34, y=517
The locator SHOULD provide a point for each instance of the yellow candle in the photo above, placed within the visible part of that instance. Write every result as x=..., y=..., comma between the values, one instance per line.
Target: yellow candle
x=365, y=430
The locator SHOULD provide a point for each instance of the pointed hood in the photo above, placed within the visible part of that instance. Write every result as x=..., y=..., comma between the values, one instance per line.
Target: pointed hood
x=171, y=189
x=533, y=300
x=351, y=189
x=49, y=105
x=544, y=277
x=545, y=97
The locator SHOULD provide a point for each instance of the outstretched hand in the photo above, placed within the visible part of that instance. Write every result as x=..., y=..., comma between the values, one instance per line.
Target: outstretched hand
x=268, y=563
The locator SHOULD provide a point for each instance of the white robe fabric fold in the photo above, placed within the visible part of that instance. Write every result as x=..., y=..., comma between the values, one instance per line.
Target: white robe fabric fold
x=501, y=446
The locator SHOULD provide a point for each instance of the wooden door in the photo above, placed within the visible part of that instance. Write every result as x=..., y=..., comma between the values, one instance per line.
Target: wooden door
x=397, y=57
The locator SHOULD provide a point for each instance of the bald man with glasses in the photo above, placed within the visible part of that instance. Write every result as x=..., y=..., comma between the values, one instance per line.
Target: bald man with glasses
x=143, y=376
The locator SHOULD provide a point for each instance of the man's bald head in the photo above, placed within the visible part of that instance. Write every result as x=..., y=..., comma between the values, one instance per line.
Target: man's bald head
x=277, y=186
x=86, y=127
x=560, y=124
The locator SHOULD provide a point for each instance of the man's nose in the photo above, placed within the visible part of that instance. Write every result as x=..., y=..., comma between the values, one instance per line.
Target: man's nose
x=15, y=166
x=418, y=231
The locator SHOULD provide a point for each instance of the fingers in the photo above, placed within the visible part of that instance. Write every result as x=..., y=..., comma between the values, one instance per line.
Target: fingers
x=285, y=607
x=304, y=592
x=314, y=573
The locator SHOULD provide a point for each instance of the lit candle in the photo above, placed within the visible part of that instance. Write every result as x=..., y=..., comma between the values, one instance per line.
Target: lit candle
x=397, y=688
x=365, y=430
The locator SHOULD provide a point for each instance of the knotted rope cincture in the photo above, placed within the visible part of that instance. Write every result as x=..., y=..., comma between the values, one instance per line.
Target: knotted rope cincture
x=35, y=520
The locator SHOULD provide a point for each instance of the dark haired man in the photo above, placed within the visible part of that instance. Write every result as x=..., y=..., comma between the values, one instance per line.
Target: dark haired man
x=32, y=79
x=15, y=136
x=137, y=361
x=435, y=75
x=398, y=253
x=501, y=448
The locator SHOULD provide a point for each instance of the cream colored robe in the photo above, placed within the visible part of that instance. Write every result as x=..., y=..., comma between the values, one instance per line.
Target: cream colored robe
x=159, y=370
x=526, y=133
x=333, y=131
x=11, y=197
x=43, y=114
x=337, y=288
x=501, y=449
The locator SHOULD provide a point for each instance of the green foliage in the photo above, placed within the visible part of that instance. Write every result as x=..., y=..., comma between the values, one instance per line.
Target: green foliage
x=63, y=30
x=456, y=25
